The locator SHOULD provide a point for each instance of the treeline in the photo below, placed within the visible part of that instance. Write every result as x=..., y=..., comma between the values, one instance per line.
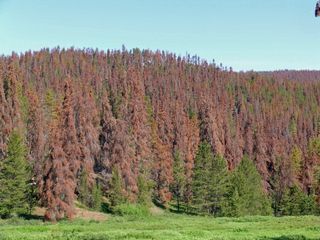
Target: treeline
x=140, y=126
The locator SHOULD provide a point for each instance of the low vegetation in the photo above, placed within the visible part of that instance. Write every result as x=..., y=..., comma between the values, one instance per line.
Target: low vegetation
x=166, y=226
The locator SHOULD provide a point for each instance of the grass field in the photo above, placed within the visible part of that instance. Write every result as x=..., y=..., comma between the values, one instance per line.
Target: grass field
x=165, y=227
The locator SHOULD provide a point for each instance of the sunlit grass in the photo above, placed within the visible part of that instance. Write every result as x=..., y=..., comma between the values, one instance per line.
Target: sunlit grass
x=166, y=227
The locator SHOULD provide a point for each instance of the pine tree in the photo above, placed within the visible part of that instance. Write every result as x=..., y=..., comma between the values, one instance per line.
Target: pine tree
x=218, y=185
x=308, y=205
x=58, y=179
x=13, y=178
x=295, y=164
x=232, y=206
x=90, y=197
x=35, y=138
x=32, y=191
x=290, y=204
x=116, y=189
x=162, y=154
x=247, y=182
x=200, y=188
x=312, y=166
x=96, y=197
x=313, y=170
x=210, y=182
x=316, y=185
x=144, y=187
x=63, y=163
x=69, y=139
x=279, y=182
x=179, y=179
x=5, y=120
x=140, y=127
x=295, y=202
x=86, y=121
x=84, y=193
x=116, y=149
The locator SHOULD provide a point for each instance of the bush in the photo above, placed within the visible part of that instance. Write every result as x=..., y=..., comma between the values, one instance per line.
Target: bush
x=131, y=210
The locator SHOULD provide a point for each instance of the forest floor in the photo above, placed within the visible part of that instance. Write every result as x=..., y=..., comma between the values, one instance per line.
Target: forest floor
x=164, y=226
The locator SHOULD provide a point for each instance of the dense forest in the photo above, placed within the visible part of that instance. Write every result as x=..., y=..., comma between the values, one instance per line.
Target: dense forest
x=141, y=126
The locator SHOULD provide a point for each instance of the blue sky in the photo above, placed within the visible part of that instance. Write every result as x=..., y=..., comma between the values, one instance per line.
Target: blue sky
x=243, y=34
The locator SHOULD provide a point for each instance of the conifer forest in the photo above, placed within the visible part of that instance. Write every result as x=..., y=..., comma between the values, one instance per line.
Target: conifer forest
x=109, y=130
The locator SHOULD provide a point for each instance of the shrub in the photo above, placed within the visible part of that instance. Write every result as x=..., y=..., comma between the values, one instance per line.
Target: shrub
x=131, y=210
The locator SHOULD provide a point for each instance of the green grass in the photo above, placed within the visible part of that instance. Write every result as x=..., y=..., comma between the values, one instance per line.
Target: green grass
x=131, y=210
x=166, y=227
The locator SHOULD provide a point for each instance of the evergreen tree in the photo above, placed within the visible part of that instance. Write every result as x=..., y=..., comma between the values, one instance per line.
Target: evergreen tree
x=96, y=197
x=290, y=203
x=70, y=144
x=144, y=188
x=32, y=194
x=13, y=178
x=210, y=182
x=278, y=184
x=200, y=189
x=179, y=179
x=295, y=202
x=295, y=163
x=116, y=190
x=58, y=179
x=316, y=186
x=90, y=197
x=308, y=205
x=218, y=184
x=247, y=182
x=314, y=168
x=232, y=205
x=84, y=193
x=36, y=144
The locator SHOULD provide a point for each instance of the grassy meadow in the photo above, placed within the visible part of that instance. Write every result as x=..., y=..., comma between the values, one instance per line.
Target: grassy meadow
x=166, y=226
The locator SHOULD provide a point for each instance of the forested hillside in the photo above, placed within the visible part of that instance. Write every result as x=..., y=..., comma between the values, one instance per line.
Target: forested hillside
x=136, y=126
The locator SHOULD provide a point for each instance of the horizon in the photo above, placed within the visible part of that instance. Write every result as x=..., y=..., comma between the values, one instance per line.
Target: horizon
x=245, y=35
x=177, y=55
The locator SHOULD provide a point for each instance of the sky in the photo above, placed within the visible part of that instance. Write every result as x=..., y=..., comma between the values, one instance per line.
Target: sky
x=242, y=34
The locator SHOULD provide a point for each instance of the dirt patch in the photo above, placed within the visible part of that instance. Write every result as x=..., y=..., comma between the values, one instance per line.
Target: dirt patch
x=80, y=213
x=39, y=212
x=90, y=215
x=156, y=211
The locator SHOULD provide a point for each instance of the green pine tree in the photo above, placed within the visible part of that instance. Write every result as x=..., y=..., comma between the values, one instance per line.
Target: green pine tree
x=295, y=202
x=179, y=179
x=308, y=205
x=247, y=182
x=218, y=185
x=210, y=181
x=96, y=197
x=32, y=194
x=84, y=192
x=232, y=205
x=316, y=187
x=278, y=185
x=296, y=162
x=290, y=201
x=116, y=190
x=13, y=178
x=200, y=188
x=144, y=187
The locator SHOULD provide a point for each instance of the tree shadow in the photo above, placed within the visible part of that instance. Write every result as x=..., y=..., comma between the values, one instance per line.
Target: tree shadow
x=183, y=209
x=31, y=217
x=286, y=237
x=106, y=208
x=158, y=204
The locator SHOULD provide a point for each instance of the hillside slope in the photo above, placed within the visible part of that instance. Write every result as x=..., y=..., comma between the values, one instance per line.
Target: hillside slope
x=135, y=109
